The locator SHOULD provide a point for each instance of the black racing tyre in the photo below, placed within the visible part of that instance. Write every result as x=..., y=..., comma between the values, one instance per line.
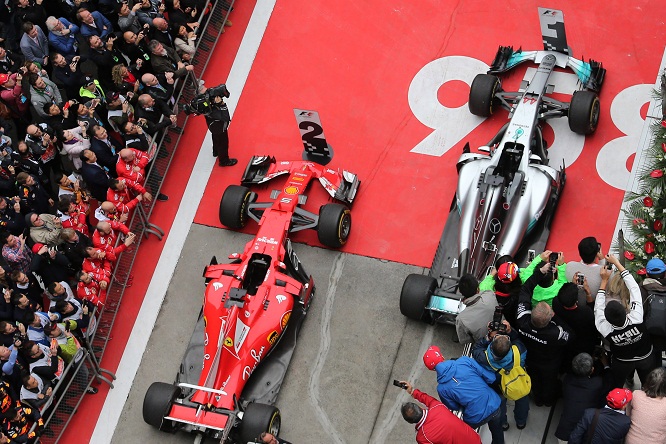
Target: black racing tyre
x=584, y=112
x=157, y=403
x=334, y=225
x=415, y=295
x=234, y=205
x=482, y=94
x=259, y=418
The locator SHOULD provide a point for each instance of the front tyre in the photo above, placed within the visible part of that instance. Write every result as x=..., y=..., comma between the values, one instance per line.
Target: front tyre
x=482, y=94
x=234, y=206
x=334, y=225
x=584, y=112
x=157, y=403
x=259, y=418
x=415, y=295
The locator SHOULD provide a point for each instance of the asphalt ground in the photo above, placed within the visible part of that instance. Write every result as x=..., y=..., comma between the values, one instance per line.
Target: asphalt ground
x=353, y=343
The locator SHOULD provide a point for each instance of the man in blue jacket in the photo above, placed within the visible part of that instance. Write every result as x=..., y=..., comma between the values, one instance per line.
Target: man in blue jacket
x=495, y=353
x=62, y=36
x=463, y=384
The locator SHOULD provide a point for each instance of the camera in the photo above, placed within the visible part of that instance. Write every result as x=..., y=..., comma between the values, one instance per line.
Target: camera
x=20, y=339
x=402, y=385
x=496, y=324
x=581, y=279
x=202, y=103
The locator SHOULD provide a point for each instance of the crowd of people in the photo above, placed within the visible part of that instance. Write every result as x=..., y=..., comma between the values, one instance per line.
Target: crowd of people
x=86, y=87
x=578, y=332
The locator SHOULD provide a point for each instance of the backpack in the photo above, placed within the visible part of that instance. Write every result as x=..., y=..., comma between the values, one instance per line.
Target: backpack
x=655, y=314
x=515, y=383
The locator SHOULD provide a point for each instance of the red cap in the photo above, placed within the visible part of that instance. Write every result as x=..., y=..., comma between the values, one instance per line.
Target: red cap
x=432, y=357
x=618, y=398
x=4, y=78
x=37, y=247
x=508, y=272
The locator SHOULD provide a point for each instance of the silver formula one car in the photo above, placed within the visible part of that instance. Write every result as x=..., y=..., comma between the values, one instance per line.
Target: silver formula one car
x=507, y=194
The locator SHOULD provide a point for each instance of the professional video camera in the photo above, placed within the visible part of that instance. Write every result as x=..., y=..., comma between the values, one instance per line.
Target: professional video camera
x=496, y=324
x=201, y=104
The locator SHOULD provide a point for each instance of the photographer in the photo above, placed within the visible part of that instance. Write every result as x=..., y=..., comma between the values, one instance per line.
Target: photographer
x=134, y=46
x=218, y=119
x=127, y=19
x=495, y=352
x=435, y=424
x=66, y=71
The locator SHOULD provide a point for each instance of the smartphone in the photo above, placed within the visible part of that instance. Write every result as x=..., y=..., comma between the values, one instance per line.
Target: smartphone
x=609, y=266
x=397, y=383
x=581, y=279
x=531, y=254
x=553, y=258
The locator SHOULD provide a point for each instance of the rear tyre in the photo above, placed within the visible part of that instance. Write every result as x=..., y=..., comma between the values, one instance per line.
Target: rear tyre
x=482, y=94
x=334, y=225
x=234, y=205
x=259, y=418
x=584, y=112
x=157, y=403
x=415, y=295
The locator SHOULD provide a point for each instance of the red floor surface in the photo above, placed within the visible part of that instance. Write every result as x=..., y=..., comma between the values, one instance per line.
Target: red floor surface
x=83, y=422
x=354, y=63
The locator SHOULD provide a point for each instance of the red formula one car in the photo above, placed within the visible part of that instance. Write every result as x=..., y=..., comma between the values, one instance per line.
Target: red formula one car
x=253, y=308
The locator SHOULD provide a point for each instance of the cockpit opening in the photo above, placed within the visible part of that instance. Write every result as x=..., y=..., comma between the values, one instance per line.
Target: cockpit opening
x=256, y=272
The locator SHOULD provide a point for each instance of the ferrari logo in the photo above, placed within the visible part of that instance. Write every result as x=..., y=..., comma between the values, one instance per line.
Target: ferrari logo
x=228, y=342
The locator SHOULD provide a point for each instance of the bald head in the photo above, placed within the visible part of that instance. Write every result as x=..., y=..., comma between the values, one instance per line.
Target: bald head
x=148, y=79
x=145, y=100
x=127, y=154
x=107, y=207
x=104, y=227
x=160, y=24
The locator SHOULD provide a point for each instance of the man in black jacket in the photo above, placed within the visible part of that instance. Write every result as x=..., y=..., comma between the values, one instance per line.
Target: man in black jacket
x=149, y=112
x=579, y=317
x=95, y=176
x=582, y=389
x=218, y=119
x=105, y=56
x=545, y=337
x=66, y=71
x=608, y=425
x=105, y=148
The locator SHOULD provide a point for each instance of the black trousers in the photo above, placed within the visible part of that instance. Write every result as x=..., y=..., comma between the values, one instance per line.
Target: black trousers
x=221, y=145
x=621, y=370
x=545, y=385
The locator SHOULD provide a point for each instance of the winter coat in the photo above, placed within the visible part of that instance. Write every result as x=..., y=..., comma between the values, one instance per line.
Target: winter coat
x=464, y=385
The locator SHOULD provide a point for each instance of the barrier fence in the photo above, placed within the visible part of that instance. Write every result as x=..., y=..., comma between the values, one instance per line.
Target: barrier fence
x=79, y=374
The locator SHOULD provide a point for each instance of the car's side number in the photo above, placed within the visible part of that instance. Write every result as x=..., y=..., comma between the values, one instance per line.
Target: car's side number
x=626, y=115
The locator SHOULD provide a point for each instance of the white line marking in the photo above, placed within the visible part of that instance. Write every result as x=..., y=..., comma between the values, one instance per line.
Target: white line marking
x=136, y=345
x=324, y=348
x=394, y=415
